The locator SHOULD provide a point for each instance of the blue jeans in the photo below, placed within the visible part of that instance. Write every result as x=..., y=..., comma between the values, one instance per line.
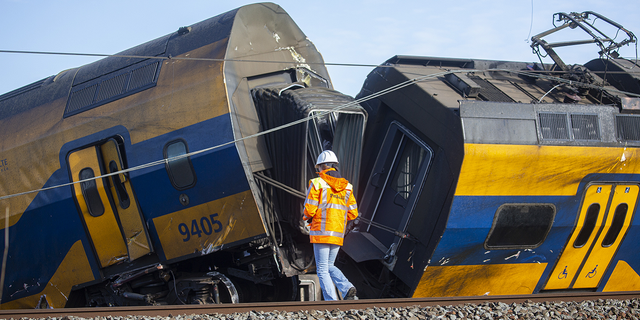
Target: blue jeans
x=328, y=273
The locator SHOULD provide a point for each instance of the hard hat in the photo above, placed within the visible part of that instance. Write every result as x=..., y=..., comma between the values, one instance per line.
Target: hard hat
x=327, y=156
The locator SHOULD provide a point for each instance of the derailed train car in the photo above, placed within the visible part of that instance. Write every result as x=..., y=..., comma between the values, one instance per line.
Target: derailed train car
x=176, y=199
x=499, y=177
x=174, y=172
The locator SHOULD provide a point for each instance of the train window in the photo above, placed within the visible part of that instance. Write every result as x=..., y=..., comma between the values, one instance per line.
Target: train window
x=617, y=224
x=90, y=193
x=118, y=184
x=180, y=170
x=520, y=226
x=408, y=167
x=588, y=225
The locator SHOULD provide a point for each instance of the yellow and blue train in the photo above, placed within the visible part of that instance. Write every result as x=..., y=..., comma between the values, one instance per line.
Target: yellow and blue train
x=174, y=172
x=497, y=177
x=145, y=168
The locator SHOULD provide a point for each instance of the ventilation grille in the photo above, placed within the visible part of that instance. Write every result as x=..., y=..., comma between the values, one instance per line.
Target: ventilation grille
x=111, y=87
x=585, y=127
x=628, y=128
x=142, y=76
x=555, y=126
x=81, y=98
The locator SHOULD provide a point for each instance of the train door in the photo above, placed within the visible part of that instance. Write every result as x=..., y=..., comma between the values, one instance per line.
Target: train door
x=605, y=216
x=391, y=194
x=108, y=205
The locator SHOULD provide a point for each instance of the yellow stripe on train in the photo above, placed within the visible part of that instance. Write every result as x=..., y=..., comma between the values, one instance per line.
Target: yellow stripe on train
x=478, y=280
x=623, y=278
x=528, y=170
x=204, y=228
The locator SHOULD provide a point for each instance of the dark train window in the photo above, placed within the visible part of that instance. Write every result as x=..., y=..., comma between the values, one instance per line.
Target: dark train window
x=588, y=225
x=90, y=193
x=520, y=226
x=118, y=184
x=180, y=170
x=617, y=224
x=409, y=165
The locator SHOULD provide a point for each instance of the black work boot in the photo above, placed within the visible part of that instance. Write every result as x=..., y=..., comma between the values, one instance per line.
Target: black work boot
x=351, y=294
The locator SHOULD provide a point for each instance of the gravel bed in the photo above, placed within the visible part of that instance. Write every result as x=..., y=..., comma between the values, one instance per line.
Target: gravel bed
x=591, y=309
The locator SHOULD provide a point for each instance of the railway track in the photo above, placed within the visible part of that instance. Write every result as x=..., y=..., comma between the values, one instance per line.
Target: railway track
x=165, y=311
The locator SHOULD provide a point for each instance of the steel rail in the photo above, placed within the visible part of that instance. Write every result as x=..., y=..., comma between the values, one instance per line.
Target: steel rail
x=173, y=310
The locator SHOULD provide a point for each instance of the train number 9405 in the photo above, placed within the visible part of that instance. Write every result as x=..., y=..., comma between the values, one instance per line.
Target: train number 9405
x=206, y=225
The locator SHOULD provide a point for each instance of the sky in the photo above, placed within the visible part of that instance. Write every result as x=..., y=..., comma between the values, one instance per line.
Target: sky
x=345, y=32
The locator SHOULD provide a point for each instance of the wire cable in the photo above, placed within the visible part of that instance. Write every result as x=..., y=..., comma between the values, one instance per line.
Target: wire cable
x=104, y=55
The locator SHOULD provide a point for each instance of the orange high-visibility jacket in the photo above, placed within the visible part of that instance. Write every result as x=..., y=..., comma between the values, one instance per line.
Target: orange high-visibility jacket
x=331, y=203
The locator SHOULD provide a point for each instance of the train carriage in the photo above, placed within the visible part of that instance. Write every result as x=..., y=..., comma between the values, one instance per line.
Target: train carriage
x=143, y=165
x=525, y=175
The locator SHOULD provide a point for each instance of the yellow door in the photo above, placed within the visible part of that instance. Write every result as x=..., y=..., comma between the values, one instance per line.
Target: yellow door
x=95, y=206
x=133, y=226
x=616, y=224
x=108, y=205
x=598, y=233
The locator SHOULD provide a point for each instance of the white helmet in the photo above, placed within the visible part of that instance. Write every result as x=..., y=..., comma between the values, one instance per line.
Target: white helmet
x=327, y=156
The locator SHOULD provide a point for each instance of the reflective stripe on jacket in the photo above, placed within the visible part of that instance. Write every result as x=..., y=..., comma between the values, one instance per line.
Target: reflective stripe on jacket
x=331, y=203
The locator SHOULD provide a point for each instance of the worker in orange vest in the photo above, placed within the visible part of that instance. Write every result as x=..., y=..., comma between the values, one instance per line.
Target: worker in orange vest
x=330, y=203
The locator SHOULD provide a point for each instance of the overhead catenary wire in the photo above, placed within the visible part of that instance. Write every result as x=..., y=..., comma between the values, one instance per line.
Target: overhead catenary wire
x=104, y=55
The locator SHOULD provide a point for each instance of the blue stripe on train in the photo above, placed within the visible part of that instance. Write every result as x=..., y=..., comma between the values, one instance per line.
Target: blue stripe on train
x=219, y=172
x=44, y=234
x=470, y=222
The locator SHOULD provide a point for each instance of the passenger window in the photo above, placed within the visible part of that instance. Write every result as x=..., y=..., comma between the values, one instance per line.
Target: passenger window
x=520, y=226
x=408, y=166
x=617, y=224
x=118, y=184
x=90, y=193
x=588, y=226
x=180, y=170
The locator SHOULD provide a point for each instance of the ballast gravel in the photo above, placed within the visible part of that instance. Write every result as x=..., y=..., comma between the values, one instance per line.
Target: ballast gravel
x=591, y=309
